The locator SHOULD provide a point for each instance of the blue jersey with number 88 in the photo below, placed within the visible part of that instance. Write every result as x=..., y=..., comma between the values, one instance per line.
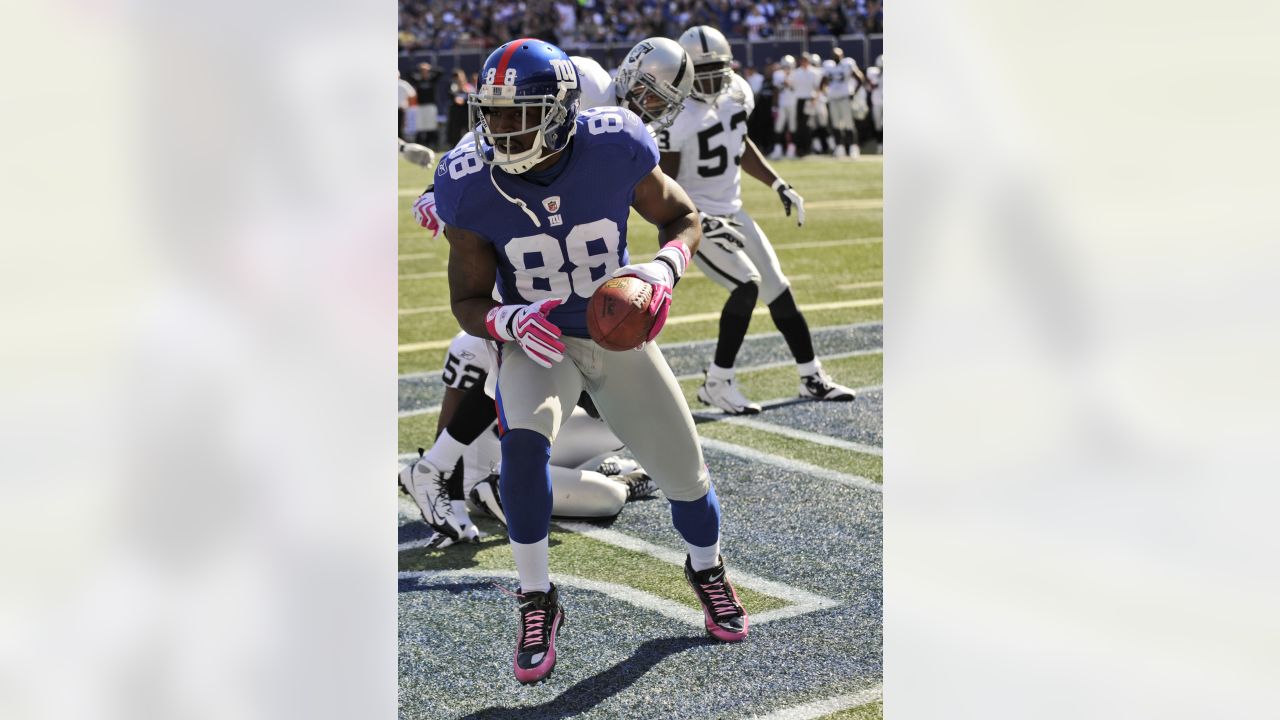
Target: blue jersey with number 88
x=583, y=213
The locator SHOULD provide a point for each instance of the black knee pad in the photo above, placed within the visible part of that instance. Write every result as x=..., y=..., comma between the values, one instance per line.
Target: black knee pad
x=743, y=299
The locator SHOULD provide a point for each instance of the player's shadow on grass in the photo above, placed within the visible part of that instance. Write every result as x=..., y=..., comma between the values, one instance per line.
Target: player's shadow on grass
x=459, y=556
x=590, y=692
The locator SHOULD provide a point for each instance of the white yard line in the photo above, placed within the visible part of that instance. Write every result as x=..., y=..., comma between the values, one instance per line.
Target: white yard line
x=649, y=601
x=838, y=305
x=818, y=708
x=711, y=344
x=861, y=285
x=674, y=320
x=827, y=243
x=693, y=343
x=801, y=601
x=849, y=203
x=821, y=473
x=433, y=275
x=787, y=363
x=419, y=411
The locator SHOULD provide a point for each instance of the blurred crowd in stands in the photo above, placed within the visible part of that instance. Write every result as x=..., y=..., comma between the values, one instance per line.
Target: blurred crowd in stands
x=792, y=117
x=439, y=25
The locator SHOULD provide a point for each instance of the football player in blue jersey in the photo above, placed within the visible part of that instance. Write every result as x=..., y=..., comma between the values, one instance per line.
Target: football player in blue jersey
x=540, y=203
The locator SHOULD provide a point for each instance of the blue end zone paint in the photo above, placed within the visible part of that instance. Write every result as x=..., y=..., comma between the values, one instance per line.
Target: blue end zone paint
x=619, y=661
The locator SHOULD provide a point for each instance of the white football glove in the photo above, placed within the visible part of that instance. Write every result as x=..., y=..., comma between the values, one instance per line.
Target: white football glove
x=723, y=231
x=528, y=326
x=424, y=209
x=790, y=197
x=418, y=154
x=662, y=273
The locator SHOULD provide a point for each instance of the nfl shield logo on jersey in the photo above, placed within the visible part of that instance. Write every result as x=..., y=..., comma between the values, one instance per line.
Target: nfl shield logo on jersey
x=552, y=204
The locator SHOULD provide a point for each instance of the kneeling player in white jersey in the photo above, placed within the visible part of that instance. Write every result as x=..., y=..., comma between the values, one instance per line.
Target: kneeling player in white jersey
x=586, y=482
x=704, y=150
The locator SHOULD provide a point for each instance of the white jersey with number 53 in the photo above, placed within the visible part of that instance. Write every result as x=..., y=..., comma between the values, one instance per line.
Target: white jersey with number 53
x=711, y=138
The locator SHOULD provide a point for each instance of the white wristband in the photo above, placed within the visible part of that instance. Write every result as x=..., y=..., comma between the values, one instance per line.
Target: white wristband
x=777, y=183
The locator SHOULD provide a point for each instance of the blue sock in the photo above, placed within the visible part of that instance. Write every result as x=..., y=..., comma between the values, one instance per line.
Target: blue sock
x=525, y=485
x=697, y=521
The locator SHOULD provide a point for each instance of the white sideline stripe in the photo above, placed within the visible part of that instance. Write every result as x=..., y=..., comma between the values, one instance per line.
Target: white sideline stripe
x=640, y=598
x=818, y=708
x=801, y=601
x=676, y=320
x=822, y=473
x=861, y=285
x=788, y=363
x=804, y=435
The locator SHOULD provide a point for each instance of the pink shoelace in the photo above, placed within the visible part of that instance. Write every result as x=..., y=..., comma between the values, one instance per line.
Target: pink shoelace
x=533, y=628
x=721, y=603
x=534, y=622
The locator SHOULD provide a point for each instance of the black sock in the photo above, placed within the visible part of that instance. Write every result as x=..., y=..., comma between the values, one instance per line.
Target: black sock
x=793, y=327
x=475, y=413
x=734, y=321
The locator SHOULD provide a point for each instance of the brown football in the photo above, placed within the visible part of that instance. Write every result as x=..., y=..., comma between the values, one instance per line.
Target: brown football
x=618, y=313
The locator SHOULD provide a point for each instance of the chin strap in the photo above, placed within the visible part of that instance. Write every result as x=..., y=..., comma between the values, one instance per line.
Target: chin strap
x=515, y=201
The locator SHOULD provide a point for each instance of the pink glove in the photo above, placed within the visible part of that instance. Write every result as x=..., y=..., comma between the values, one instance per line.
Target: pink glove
x=528, y=327
x=658, y=308
x=662, y=273
x=425, y=211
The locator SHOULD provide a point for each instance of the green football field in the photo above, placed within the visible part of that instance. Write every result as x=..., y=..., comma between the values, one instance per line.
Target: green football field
x=799, y=486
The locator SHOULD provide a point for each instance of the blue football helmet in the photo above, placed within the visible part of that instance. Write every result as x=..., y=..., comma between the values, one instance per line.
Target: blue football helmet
x=526, y=87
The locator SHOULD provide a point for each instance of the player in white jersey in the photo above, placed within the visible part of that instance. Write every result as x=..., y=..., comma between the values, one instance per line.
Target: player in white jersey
x=875, y=78
x=804, y=81
x=843, y=78
x=587, y=478
x=705, y=150
x=784, y=124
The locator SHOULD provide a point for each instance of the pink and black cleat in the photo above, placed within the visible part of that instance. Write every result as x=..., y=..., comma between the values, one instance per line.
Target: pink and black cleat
x=540, y=619
x=726, y=619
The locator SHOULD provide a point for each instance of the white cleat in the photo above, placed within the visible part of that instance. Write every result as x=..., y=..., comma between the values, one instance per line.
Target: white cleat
x=791, y=151
x=839, y=153
x=429, y=488
x=820, y=386
x=777, y=153
x=725, y=395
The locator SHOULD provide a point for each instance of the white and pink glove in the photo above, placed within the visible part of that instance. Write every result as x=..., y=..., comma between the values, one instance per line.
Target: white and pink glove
x=662, y=273
x=424, y=209
x=528, y=327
